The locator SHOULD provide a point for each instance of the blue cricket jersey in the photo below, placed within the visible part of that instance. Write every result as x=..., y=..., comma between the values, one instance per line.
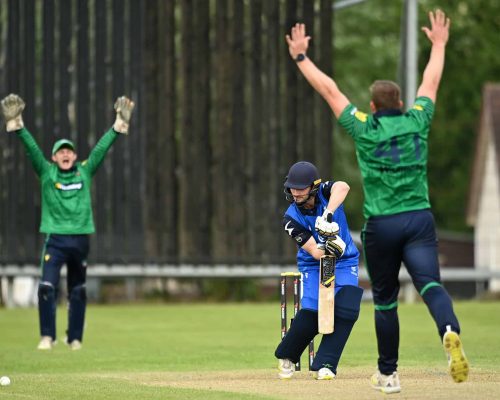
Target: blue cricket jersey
x=299, y=224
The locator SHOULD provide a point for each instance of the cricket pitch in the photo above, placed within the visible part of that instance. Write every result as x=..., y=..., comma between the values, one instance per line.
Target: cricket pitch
x=351, y=383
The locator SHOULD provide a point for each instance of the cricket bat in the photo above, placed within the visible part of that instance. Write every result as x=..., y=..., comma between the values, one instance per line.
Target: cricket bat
x=326, y=294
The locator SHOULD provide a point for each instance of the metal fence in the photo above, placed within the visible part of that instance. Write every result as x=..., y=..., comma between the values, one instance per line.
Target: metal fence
x=476, y=281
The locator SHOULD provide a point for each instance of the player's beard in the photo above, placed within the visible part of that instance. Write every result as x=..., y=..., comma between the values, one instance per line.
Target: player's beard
x=305, y=201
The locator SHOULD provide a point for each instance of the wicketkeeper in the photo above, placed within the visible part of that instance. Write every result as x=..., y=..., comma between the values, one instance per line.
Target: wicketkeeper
x=67, y=219
x=316, y=221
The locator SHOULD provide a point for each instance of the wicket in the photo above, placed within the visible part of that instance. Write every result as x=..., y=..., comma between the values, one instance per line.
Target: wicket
x=296, y=306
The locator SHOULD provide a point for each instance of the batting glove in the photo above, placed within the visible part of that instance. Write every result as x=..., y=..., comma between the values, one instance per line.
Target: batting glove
x=123, y=107
x=321, y=242
x=12, y=108
x=325, y=225
x=331, y=245
x=335, y=246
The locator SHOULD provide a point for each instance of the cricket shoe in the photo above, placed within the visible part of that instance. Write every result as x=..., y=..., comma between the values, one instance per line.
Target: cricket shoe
x=286, y=368
x=324, y=374
x=458, y=365
x=75, y=345
x=46, y=343
x=386, y=383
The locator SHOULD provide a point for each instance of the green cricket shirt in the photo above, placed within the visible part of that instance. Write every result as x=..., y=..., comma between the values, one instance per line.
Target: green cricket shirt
x=392, y=149
x=66, y=197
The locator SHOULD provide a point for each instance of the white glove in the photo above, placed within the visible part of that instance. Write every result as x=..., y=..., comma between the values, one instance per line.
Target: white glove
x=12, y=108
x=123, y=107
x=325, y=225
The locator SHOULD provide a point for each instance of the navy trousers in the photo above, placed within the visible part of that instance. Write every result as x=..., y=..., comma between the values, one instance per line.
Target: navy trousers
x=408, y=237
x=71, y=250
x=305, y=327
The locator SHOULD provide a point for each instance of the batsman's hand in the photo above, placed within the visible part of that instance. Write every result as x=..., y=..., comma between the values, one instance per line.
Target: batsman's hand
x=12, y=108
x=335, y=246
x=326, y=226
x=298, y=42
x=123, y=107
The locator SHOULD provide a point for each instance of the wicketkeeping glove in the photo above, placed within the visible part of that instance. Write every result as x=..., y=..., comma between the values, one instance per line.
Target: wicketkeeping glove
x=12, y=108
x=325, y=225
x=123, y=107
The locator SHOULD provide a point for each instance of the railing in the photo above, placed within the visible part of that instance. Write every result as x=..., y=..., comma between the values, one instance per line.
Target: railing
x=141, y=271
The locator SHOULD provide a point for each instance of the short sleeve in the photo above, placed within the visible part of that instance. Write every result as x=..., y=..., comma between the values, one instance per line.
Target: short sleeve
x=353, y=120
x=422, y=111
x=296, y=231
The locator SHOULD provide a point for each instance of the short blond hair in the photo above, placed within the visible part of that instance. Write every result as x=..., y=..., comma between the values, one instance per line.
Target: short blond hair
x=386, y=95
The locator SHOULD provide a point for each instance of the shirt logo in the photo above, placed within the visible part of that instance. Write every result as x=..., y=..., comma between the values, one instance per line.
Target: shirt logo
x=289, y=230
x=71, y=186
x=417, y=107
x=361, y=116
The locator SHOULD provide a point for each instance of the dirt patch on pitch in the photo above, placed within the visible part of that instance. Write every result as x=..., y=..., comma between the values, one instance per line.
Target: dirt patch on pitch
x=353, y=383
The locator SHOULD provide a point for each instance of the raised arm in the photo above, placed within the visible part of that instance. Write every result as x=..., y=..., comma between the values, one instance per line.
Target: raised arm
x=438, y=35
x=12, y=108
x=12, y=112
x=123, y=107
x=298, y=44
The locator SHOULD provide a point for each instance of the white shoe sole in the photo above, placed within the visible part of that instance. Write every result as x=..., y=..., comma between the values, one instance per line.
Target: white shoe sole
x=387, y=390
x=324, y=378
x=285, y=376
x=384, y=389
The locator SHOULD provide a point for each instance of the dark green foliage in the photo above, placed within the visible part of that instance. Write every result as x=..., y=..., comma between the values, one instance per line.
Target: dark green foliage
x=472, y=60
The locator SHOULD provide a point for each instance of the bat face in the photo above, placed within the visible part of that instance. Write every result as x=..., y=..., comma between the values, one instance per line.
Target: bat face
x=326, y=294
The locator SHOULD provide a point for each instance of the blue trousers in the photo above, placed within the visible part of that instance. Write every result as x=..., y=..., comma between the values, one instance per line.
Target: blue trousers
x=388, y=241
x=344, y=276
x=71, y=250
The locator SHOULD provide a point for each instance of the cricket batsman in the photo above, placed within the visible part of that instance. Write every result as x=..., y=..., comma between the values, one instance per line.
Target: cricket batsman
x=67, y=219
x=316, y=221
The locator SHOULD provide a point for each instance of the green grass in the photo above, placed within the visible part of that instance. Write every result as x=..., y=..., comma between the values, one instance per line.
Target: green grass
x=205, y=337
